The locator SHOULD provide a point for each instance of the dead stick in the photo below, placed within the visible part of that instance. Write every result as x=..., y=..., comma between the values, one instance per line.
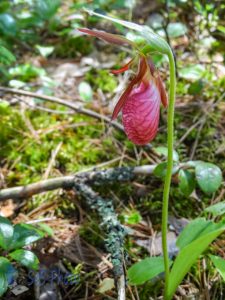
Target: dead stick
x=66, y=103
x=67, y=182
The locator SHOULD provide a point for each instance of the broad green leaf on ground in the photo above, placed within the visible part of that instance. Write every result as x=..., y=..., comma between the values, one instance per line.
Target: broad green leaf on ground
x=163, y=151
x=217, y=209
x=7, y=274
x=155, y=21
x=187, y=257
x=192, y=72
x=194, y=230
x=46, y=9
x=176, y=29
x=45, y=51
x=26, y=72
x=24, y=234
x=6, y=232
x=196, y=87
x=85, y=91
x=8, y=25
x=17, y=84
x=186, y=182
x=160, y=169
x=26, y=258
x=219, y=264
x=209, y=177
x=145, y=270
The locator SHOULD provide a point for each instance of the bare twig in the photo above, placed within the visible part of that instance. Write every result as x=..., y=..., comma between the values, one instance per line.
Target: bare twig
x=37, y=188
x=49, y=110
x=197, y=139
x=67, y=182
x=52, y=160
x=97, y=178
x=121, y=288
x=66, y=103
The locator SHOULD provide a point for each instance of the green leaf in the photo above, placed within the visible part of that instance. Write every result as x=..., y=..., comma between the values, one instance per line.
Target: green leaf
x=4, y=6
x=6, y=233
x=46, y=9
x=126, y=24
x=160, y=169
x=44, y=227
x=133, y=217
x=196, y=87
x=85, y=91
x=176, y=29
x=44, y=51
x=209, y=177
x=6, y=57
x=17, y=84
x=7, y=274
x=186, y=182
x=26, y=72
x=23, y=235
x=4, y=107
x=194, y=230
x=155, y=42
x=219, y=264
x=145, y=270
x=8, y=25
x=217, y=209
x=221, y=28
x=192, y=72
x=187, y=257
x=163, y=151
x=26, y=258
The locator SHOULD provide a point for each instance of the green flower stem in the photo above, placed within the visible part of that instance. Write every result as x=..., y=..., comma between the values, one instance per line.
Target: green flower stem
x=166, y=191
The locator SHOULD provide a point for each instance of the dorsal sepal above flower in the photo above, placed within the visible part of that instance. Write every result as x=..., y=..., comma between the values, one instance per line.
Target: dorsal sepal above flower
x=108, y=37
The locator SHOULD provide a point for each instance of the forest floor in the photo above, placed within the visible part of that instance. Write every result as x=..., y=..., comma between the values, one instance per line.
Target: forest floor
x=43, y=139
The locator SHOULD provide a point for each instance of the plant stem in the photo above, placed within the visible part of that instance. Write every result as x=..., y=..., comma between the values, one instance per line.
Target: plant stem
x=166, y=191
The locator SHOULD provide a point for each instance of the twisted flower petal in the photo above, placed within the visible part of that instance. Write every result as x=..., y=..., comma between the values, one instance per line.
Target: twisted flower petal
x=140, y=113
x=143, y=67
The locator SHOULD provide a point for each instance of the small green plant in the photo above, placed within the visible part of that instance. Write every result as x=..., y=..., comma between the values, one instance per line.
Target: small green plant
x=207, y=176
x=12, y=240
x=140, y=104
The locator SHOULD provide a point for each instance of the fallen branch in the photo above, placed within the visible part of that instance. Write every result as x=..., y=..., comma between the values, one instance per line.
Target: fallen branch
x=67, y=182
x=66, y=103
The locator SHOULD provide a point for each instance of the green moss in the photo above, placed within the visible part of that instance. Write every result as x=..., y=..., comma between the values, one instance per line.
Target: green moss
x=101, y=79
x=72, y=46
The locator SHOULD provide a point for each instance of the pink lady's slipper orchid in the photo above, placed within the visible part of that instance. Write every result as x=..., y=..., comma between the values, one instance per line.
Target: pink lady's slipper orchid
x=140, y=102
